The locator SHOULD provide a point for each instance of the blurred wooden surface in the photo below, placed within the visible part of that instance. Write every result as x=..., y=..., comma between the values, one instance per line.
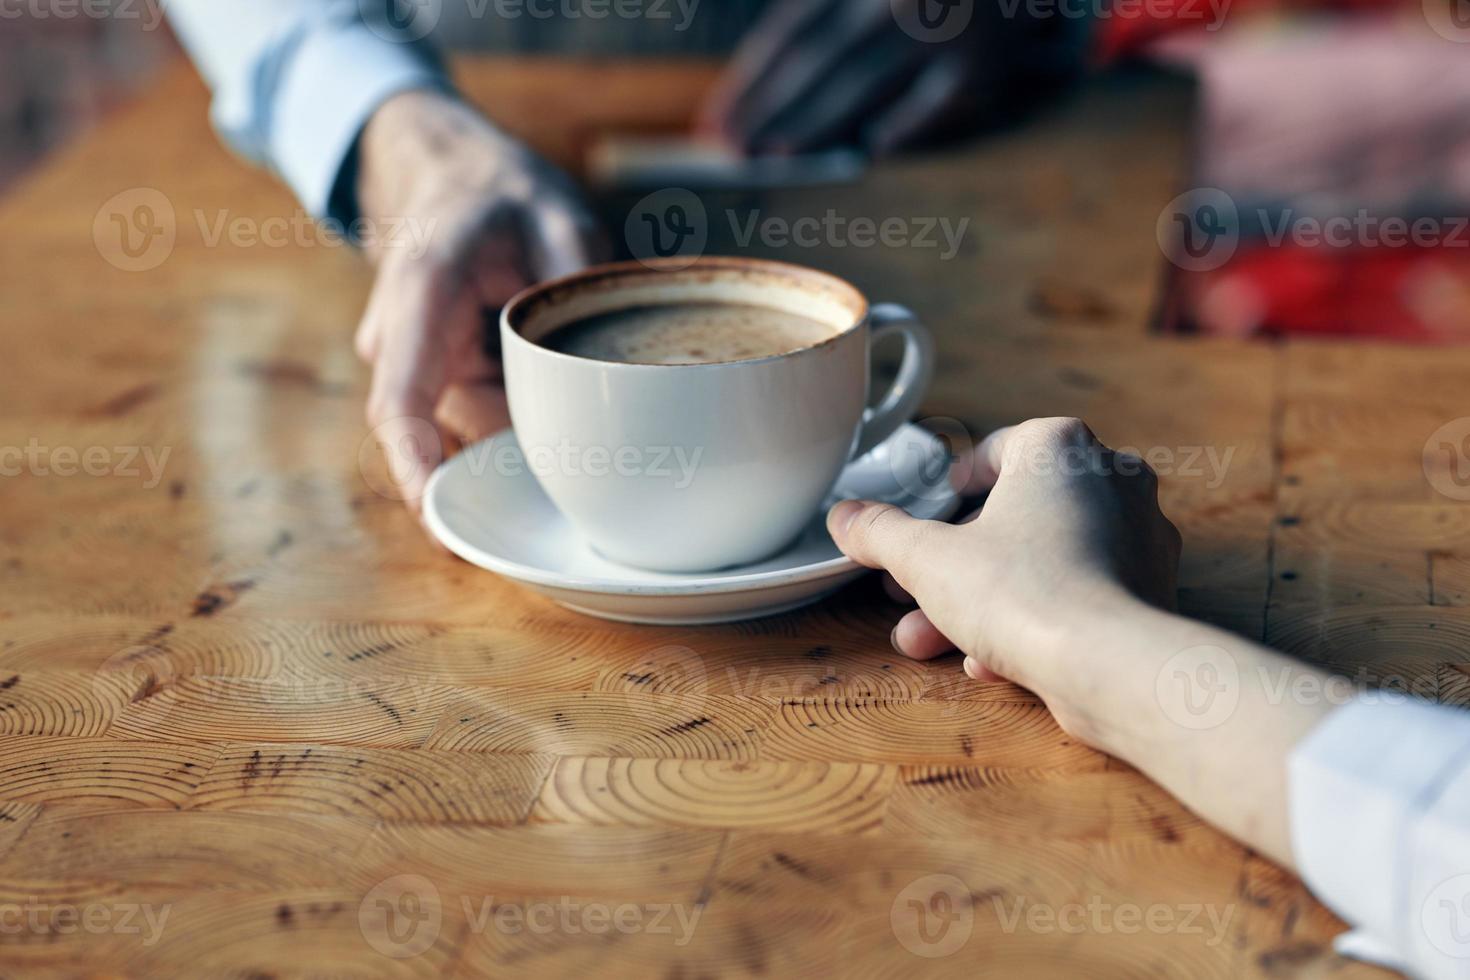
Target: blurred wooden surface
x=241, y=691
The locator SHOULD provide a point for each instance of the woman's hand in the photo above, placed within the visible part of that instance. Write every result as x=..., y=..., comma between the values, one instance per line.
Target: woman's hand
x=490, y=218
x=1063, y=583
x=1070, y=530
x=885, y=74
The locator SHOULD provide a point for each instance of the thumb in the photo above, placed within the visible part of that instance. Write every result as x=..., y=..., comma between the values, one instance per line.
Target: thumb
x=929, y=560
x=885, y=536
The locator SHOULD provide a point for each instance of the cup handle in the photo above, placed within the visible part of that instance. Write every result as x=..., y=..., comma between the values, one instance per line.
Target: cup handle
x=914, y=374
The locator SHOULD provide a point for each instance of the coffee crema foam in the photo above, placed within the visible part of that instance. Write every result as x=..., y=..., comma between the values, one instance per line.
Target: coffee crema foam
x=688, y=333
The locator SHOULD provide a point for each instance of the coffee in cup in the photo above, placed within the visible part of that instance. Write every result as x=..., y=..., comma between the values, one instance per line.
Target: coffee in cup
x=688, y=333
x=693, y=417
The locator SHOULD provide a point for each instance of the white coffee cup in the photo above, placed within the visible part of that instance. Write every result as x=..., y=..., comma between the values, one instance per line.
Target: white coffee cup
x=695, y=467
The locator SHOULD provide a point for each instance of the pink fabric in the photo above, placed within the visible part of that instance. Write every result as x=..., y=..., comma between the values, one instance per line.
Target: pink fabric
x=1319, y=117
x=1362, y=111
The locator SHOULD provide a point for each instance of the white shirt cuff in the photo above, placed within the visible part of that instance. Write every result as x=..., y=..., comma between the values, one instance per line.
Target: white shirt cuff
x=1380, y=827
x=334, y=82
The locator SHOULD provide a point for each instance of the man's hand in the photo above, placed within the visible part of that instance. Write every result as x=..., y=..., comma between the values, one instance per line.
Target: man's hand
x=884, y=74
x=489, y=218
x=1070, y=530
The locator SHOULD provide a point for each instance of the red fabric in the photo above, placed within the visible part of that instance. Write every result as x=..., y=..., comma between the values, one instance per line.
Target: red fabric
x=1120, y=36
x=1413, y=294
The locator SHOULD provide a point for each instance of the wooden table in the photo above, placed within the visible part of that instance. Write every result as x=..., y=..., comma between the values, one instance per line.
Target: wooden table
x=245, y=693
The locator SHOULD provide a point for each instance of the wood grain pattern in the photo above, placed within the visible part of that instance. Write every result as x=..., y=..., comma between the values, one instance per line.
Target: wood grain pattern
x=912, y=731
x=1119, y=806
x=241, y=690
x=280, y=932
x=15, y=818
x=641, y=726
x=101, y=772
x=392, y=785
x=79, y=849
x=840, y=798
x=370, y=712
x=547, y=859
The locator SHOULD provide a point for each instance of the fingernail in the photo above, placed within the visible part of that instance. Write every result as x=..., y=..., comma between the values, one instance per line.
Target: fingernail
x=893, y=640
x=840, y=517
x=972, y=668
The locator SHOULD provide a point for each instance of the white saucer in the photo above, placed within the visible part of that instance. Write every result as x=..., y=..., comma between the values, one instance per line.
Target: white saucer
x=486, y=506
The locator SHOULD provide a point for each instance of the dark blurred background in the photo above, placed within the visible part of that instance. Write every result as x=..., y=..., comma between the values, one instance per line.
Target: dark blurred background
x=1308, y=109
x=61, y=69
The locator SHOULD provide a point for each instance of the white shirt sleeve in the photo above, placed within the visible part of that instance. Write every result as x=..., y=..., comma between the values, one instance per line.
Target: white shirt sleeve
x=295, y=81
x=1380, y=827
